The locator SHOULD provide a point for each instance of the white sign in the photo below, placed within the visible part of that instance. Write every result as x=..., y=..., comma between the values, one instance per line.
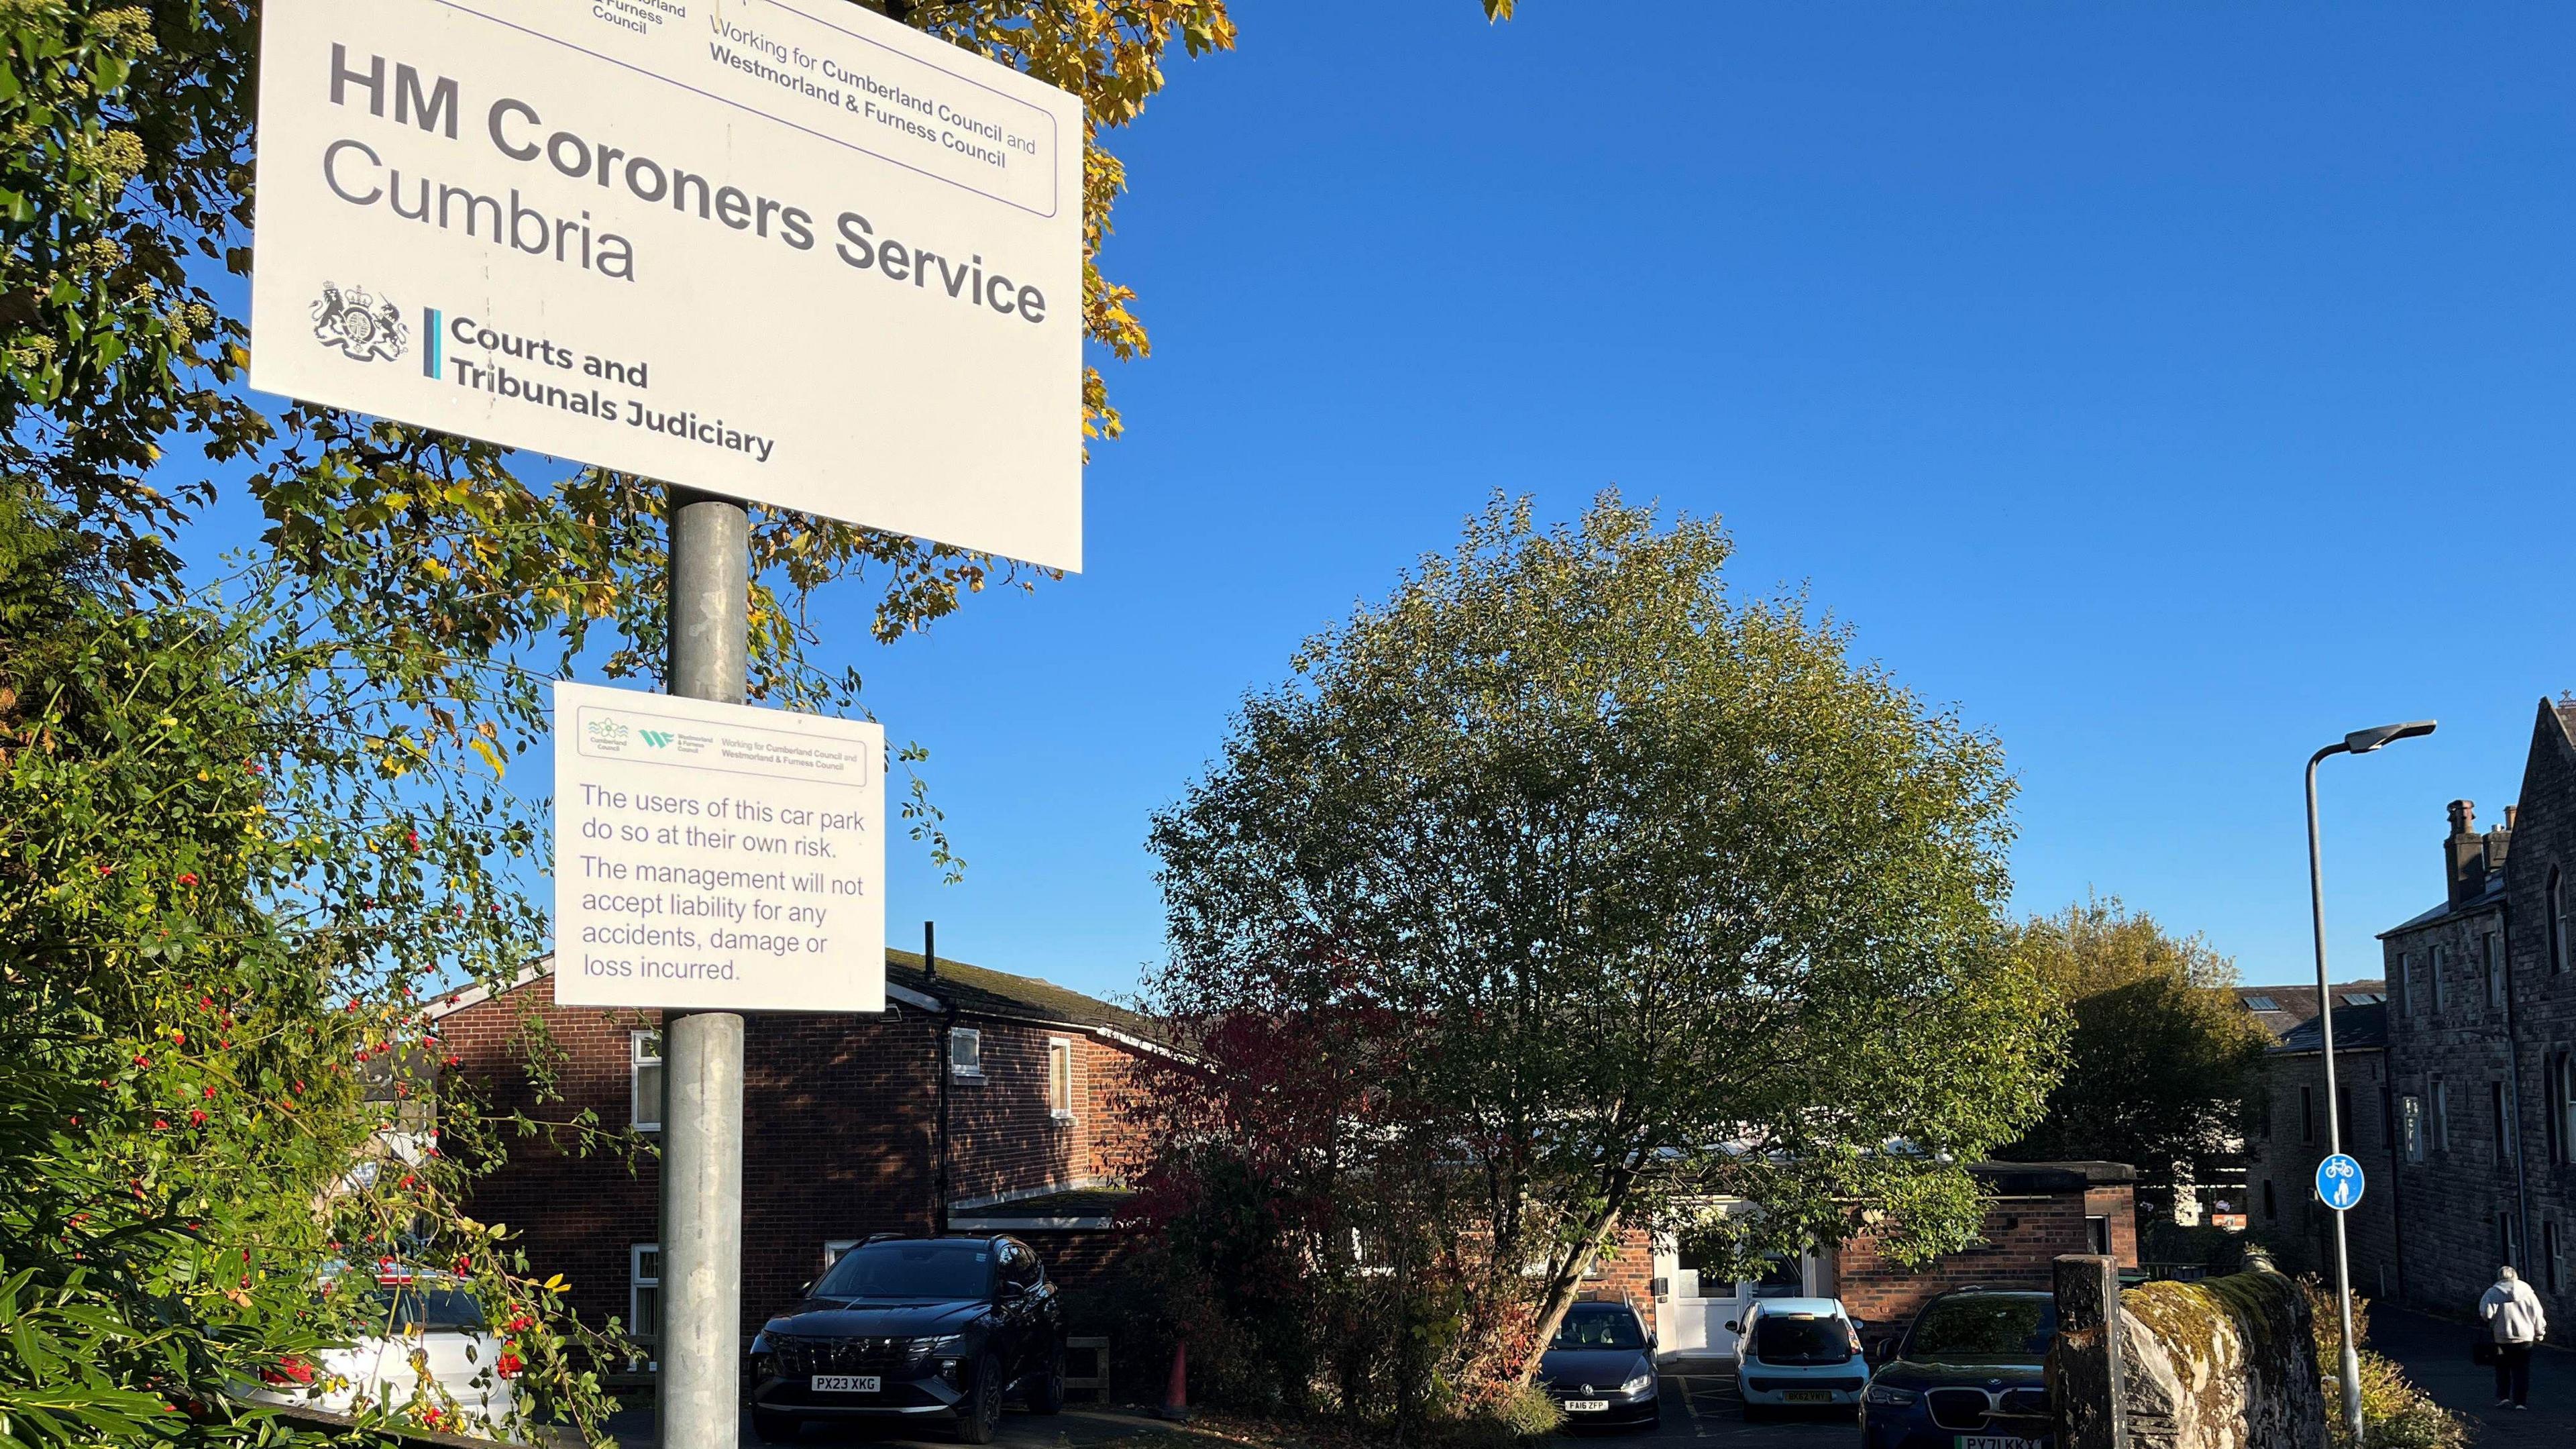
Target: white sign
x=793, y=253
x=716, y=856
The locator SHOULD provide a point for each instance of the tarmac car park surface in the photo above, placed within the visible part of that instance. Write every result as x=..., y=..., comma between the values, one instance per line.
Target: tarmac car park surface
x=1702, y=1406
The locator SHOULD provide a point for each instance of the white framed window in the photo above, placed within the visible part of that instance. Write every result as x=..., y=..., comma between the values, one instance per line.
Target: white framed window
x=2441, y=1115
x=2441, y=989
x=2558, y=922
x=2562, y=1107
x=2553, y=1268
x=644, y=1080
x=644, y=1292
x=2501, y=1121
x=965, y=1054
x=2490, y=970
x=1060, y=1078
x=2406, y=983
x=834, y=1249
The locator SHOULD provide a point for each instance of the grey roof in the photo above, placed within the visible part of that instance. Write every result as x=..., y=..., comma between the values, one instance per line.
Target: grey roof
x=2490, y=895
x=972, y=990
x=2357, y=1028
x=1084, y=1208
x=2025, y=1179
x=981, y=991
x=2281, y=1009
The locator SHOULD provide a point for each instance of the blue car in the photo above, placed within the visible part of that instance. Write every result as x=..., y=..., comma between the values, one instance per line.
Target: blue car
x=1971, y=1373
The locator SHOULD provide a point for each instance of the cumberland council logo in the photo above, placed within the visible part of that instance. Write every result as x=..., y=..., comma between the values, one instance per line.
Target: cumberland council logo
x=365, y=327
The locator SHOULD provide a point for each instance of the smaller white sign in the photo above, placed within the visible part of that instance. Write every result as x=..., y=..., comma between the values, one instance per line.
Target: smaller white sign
x=715, y=856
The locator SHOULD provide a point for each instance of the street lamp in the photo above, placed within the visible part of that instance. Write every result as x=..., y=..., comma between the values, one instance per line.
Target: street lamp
x=2359, y=742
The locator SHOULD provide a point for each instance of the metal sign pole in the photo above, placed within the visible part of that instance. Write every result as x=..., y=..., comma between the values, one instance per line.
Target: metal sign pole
x=699, y=1342
x=2349, y=1368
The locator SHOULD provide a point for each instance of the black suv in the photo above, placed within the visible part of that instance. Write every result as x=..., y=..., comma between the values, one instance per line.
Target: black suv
x=904, y=1328
x=1971, y=1373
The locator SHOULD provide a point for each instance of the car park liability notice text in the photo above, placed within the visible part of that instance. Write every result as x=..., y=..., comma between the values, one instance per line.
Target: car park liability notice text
x=715, y=856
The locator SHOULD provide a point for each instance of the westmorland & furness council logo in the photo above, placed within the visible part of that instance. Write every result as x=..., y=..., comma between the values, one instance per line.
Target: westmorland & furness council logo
x=365, y=327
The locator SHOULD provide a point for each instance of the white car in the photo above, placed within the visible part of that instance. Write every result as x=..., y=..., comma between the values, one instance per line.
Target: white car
x=1793, y=1353
x=429, y=1315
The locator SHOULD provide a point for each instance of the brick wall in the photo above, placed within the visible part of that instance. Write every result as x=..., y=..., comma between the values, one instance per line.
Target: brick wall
x=837, y=1137
x=2117, y=1205
x=2023, y=1237
x=1626, y=1271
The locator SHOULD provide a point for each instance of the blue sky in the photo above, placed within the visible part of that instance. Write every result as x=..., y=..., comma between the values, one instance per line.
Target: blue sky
x=2169, y=388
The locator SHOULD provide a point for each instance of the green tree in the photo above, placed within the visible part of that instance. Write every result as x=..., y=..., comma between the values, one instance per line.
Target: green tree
x=244, y=823
x=1678, y=898
x=2161, y=1061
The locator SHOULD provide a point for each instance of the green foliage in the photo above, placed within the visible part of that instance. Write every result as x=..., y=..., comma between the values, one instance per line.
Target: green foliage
x=243, y=823
x=2162, y=1060
x=2395, y=1414
x=1643, y=894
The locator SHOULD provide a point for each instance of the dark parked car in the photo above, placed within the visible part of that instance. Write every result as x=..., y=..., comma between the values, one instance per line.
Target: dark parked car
x=1600, y=1367
x=914, y=1328
x=1969, y=1374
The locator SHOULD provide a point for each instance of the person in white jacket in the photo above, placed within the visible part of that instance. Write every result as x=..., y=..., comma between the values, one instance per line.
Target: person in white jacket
x=2514, y=1314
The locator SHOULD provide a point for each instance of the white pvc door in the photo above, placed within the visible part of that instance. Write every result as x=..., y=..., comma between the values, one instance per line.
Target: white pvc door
x=1691, y=1317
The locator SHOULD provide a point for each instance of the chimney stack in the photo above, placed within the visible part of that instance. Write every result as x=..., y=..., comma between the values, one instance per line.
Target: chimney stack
x=2464, y=855
x=2499, y=841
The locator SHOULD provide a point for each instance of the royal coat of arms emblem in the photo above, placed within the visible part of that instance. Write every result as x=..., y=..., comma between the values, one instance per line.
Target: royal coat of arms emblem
x=365, y=327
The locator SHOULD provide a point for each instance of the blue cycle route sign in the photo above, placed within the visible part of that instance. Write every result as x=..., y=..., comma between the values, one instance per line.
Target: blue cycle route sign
x=2339, y=1182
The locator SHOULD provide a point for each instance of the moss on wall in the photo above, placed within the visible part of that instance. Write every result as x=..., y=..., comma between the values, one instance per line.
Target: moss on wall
x=2226, y=1363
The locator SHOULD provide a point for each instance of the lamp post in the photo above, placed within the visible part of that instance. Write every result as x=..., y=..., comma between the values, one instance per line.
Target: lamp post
x=2359, y=742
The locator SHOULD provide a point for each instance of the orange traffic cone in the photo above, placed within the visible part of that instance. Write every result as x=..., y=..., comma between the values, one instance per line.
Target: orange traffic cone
x=1176, y=1395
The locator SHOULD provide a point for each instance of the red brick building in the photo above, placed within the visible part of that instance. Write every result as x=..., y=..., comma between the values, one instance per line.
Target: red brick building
x=979, y=1101
x=2035, y=1212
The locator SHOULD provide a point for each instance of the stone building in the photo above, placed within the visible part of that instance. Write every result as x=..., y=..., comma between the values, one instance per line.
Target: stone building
x=2289, y=1139
x=2482, y=1047
x=2233, y=1198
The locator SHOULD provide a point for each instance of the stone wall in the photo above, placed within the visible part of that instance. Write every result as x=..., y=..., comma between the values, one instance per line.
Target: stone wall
x=2227, y=1363
x=2469, y=1191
